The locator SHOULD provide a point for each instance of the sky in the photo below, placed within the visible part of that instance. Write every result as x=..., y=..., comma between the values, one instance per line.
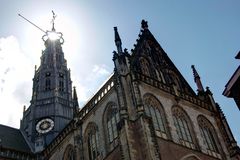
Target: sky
x=204, y=33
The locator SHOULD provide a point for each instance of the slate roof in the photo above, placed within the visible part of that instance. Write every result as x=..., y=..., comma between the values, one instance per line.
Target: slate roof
x=12, y=138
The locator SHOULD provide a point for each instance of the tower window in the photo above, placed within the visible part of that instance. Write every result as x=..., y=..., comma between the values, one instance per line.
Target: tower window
x=61, y=85
x=47, y=84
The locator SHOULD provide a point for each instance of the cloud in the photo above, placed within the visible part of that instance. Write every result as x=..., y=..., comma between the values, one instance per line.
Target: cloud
x=21, y=93
x=88, y=85
x=15, y=84
x=98, y=71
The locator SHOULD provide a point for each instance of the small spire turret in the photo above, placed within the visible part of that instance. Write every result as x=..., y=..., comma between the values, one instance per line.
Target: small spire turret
x=118, y=41
x=74, y=93
x=75, y=101
x=197, y=79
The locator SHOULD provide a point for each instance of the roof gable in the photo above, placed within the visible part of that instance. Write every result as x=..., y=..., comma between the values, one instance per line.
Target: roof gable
x=148, y=47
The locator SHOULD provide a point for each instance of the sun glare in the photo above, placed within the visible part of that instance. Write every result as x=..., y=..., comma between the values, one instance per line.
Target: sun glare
x=53, y=36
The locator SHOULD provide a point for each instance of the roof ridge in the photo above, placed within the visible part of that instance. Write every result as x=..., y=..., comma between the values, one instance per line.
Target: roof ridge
x=9, y=127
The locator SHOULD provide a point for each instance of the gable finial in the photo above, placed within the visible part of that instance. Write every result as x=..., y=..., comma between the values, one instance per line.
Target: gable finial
x=144, y=24
x=197, y=79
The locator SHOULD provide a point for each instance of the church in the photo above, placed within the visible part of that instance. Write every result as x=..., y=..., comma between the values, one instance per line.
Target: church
x=145, y=110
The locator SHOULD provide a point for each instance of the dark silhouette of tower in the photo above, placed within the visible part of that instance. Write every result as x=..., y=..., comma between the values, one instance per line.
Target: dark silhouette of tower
x=52, y=103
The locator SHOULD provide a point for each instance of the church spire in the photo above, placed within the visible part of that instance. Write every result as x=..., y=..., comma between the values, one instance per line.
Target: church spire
x=118, y=41
x=197, y=79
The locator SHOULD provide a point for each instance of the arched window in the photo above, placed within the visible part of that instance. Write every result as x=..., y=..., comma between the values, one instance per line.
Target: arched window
x=154, y=109
x=93, y=145
x=92, y=141
x=69, y=153
x=209, y=136
x=190, y=157
x=183, y=127
x=112, y=120
x=144, y=66
x=61, y=82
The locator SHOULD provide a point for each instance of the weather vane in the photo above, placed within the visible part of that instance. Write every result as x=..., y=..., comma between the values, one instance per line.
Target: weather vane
x=53, y=19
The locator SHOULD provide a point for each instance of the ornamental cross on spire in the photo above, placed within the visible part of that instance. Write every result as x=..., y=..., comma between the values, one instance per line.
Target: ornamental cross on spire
x=53, y=19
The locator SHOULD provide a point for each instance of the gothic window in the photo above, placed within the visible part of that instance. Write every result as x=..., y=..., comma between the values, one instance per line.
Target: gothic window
x=61, y=85
x=172, y=78
x=69, y=153
x=183, y=127
x=154, y=109
x=47, y=84
x=61, y=82
x=209, y=136
x=144, y=66
x=92, y=142
x=112, y=120
x=191, y=158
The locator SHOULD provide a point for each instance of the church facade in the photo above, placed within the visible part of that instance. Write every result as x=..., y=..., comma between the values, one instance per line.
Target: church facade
x=146, y=110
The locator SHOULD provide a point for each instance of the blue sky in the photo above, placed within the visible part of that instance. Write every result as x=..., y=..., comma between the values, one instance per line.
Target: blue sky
x=204, y=33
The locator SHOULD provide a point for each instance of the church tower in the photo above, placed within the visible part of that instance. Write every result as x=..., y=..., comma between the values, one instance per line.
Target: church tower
x=52, y=105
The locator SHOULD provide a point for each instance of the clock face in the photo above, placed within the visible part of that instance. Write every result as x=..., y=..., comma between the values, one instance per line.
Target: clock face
x=45, y=125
